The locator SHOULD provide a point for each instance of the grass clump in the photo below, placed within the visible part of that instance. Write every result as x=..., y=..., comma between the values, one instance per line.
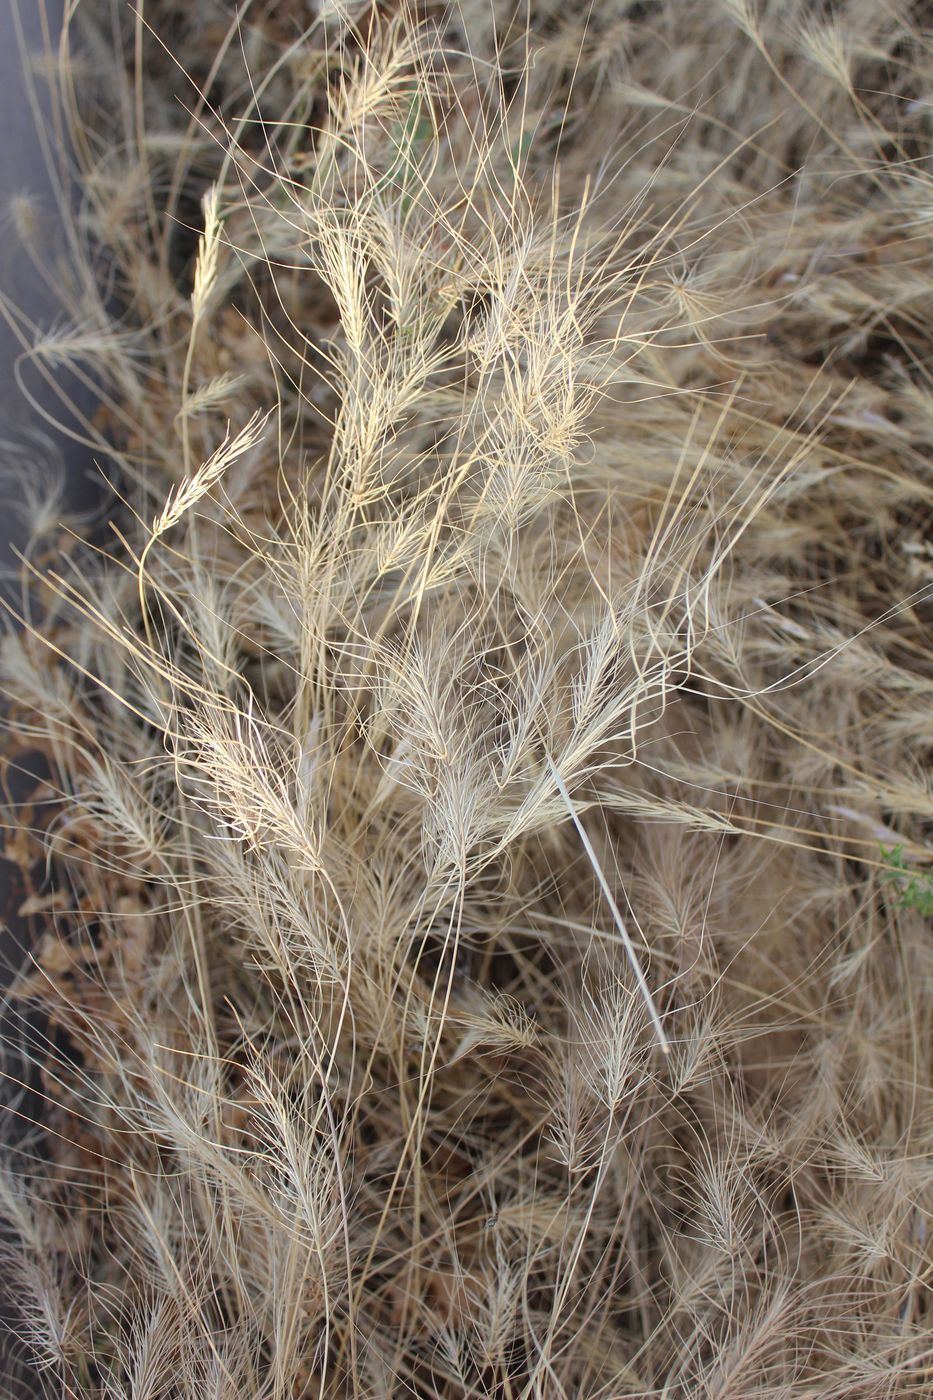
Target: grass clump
x=465, y=967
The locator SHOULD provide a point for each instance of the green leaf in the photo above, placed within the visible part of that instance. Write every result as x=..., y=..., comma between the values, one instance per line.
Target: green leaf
x=916, y=890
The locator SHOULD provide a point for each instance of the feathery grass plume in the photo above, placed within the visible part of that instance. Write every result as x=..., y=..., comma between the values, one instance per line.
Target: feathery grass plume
x=194, y=487
x=205, y=278
x=189, y=491
x=548, y=681
x=205, y=267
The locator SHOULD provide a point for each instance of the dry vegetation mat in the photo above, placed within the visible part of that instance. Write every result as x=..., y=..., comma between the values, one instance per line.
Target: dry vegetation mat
x=484, y=940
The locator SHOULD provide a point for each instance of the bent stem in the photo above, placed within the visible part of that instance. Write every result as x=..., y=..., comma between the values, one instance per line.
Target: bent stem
x=614, y=908
x=143, y=607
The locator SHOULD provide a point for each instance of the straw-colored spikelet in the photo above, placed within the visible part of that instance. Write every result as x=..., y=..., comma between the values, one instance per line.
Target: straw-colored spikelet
x=205, y=269
x=209, y=473
x=193, y=488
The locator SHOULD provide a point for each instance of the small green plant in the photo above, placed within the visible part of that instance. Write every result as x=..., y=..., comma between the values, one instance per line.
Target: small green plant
x=915, y=890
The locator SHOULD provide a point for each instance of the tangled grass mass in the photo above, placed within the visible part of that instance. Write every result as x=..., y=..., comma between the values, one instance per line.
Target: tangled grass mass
x=482, y=867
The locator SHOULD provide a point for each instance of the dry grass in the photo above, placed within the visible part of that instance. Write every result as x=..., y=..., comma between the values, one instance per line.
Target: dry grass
x=534, y=676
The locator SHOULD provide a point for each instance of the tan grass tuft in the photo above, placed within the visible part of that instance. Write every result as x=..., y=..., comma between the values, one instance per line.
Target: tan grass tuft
x=538, y=678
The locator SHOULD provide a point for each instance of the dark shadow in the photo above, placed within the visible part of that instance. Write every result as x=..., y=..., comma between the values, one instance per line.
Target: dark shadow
x=32, y=450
